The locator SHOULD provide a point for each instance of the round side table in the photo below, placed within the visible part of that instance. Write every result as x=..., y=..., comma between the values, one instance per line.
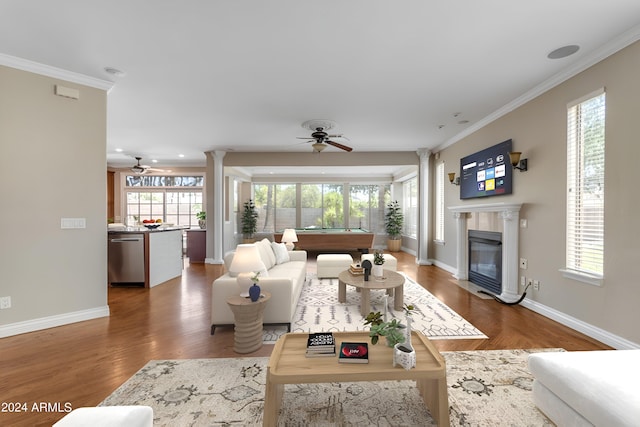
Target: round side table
x=248, y=316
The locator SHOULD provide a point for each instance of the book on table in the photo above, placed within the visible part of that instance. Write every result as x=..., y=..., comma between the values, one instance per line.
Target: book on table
x=354, y=352
x=321, y=344
x=356, y=269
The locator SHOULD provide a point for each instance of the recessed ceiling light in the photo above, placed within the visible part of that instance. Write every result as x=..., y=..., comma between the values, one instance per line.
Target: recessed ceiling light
x=440, y=126
x=180, y=155
x=463, y=122
x=563, y=52
x=115, y=72
x=154, y=161
x=119, y=150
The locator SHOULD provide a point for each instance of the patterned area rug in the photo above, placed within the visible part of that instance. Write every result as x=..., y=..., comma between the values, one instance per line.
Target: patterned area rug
x=486, y=388
x=319, y=310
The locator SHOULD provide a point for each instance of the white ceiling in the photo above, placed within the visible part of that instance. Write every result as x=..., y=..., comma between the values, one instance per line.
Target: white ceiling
x=244, y=75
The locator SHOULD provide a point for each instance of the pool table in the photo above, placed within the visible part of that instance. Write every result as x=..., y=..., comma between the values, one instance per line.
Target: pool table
x=314, y=239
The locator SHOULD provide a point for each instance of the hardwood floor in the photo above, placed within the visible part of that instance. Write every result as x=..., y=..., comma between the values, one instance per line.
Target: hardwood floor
x=81, y=364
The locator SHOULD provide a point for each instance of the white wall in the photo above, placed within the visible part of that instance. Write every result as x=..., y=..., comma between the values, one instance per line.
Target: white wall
x=53, y=276
x=538, y=129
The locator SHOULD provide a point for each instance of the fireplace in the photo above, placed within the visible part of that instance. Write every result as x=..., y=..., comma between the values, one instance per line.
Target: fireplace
x=509, y=213
x=485, y=259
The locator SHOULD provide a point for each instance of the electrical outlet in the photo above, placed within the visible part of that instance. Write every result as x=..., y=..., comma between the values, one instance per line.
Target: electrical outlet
x=523, y=281
x=523, y=263
x=5, y=302
x=524, y=223
x=529, y=282
x=536, y=285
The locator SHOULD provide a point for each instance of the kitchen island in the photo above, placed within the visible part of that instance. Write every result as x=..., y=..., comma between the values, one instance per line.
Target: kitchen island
x=142, y=257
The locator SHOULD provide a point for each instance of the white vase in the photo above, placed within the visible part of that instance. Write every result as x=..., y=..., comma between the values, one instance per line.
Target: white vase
x=402, y=357
x=377, y=271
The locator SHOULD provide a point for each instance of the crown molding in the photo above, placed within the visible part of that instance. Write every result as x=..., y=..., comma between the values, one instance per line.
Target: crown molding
x=618, y=43
x=56, y=73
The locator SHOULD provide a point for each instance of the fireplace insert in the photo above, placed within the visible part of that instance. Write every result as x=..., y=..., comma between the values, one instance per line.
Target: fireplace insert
x=485, y=260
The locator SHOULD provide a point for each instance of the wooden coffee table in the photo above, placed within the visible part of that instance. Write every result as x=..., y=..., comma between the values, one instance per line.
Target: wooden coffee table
x=393, y=282
x=288, y=365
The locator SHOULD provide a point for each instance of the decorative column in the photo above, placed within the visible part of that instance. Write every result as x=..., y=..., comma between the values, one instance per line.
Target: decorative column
x=424, y=207
x=215, y=207
x=510, y=244
x=461, y=246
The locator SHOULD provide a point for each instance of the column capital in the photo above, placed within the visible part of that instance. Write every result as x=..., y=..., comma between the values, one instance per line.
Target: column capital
x=424, y=154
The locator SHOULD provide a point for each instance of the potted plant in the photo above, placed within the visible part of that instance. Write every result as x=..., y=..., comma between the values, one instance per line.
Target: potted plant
x=393, y=330
x=378, y=261
x=249, y=221
x=202, y=219
x=393, y=220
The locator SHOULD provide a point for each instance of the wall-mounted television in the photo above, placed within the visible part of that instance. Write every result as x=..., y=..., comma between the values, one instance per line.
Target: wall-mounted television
x=487, y=172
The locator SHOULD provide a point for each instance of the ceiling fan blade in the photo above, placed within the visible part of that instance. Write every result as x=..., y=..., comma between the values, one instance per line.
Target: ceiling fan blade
x=338, y=145
x=306, y=137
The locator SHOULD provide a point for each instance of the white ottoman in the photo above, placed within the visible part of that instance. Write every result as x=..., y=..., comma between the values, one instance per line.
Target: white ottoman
x=330, y=265
x=390, y=262
x=109, y=416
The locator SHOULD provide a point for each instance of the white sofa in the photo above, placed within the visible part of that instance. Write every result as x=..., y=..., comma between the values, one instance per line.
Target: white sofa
x=587, y=388
x=283, y=277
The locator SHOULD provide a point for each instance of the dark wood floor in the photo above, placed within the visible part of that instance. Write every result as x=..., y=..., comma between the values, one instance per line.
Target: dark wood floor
x=83, y=363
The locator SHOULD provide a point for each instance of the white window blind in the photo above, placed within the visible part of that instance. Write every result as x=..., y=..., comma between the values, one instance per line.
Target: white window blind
x=439, y=214
x=585, y=186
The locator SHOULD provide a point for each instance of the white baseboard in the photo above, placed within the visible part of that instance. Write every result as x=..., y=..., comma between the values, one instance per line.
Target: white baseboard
x=594, y=332
x=52, y=321
x=213, y=261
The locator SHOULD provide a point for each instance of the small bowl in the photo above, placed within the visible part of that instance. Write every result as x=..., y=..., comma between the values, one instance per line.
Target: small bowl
x=152, y=226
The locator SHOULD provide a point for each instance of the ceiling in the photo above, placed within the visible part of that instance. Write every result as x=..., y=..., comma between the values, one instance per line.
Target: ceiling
x=205, y=75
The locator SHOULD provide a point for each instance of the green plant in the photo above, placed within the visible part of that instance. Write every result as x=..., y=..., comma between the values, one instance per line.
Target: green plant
x=249, y=219
x=378, y=258
x=392, y=330
x=256, y=277
x=201, y=215
x=393, y=220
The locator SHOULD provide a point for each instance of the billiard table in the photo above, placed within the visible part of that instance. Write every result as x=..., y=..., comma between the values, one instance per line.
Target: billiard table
x=315, y=239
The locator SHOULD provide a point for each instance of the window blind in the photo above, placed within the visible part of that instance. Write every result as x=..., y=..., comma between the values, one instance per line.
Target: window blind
x=585, y=185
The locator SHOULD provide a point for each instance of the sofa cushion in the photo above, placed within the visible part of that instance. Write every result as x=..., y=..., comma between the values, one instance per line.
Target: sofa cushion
x=599, y=385
x=266, y=253
x=281, y=252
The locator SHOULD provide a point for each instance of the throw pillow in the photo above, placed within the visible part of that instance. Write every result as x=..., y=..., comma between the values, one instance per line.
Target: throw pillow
x=280, y=250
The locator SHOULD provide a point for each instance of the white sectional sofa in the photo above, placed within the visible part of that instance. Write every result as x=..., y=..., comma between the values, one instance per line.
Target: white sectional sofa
x=284, y=275
x=587, y=388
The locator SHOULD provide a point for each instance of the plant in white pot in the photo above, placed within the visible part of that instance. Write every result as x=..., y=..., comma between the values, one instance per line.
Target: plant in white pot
x=202, y=219
x=393, y=221
x=378, y=262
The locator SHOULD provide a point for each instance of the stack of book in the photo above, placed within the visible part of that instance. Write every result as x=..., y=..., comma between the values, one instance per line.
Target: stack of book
x=321, y=344
x=356, y=269
x=354, y=352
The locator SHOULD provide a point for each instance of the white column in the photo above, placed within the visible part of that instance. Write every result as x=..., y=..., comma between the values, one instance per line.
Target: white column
x=424, y=208
x=215, y=207
x=462, y=264
x=510, y=244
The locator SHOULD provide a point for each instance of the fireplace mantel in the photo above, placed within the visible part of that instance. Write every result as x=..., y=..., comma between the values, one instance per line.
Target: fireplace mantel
x=510, y=214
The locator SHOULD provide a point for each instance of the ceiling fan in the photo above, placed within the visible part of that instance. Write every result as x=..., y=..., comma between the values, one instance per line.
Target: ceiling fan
x=320, y=137
x=142, y=169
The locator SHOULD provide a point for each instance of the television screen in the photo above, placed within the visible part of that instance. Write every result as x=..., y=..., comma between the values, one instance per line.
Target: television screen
x=487, y=172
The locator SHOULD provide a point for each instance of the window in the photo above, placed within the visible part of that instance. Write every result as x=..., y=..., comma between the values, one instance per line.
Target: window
x=321, y=205
x=410, y=204
x=276, y=205
x=585, y=188
x=165, y=198
x=439, y=202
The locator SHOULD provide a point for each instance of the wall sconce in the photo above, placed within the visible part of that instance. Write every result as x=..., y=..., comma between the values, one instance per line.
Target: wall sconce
x=453, y=179
x=521, y=165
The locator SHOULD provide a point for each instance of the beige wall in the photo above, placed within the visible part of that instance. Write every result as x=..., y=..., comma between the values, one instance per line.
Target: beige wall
x=538, y=129
x=52, y=165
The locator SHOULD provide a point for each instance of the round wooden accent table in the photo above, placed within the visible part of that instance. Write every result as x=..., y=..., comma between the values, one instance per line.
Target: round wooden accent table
x=248, y=328
x=393, y=282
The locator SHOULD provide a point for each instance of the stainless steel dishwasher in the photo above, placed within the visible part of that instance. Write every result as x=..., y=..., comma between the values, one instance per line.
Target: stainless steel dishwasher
x=126, y=260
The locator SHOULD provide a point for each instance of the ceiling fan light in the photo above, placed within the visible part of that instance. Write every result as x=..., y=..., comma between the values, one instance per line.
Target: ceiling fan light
x=318, y=146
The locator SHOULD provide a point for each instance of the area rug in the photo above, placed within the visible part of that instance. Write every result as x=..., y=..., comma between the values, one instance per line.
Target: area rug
x=486, y=388
x=318, y=310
